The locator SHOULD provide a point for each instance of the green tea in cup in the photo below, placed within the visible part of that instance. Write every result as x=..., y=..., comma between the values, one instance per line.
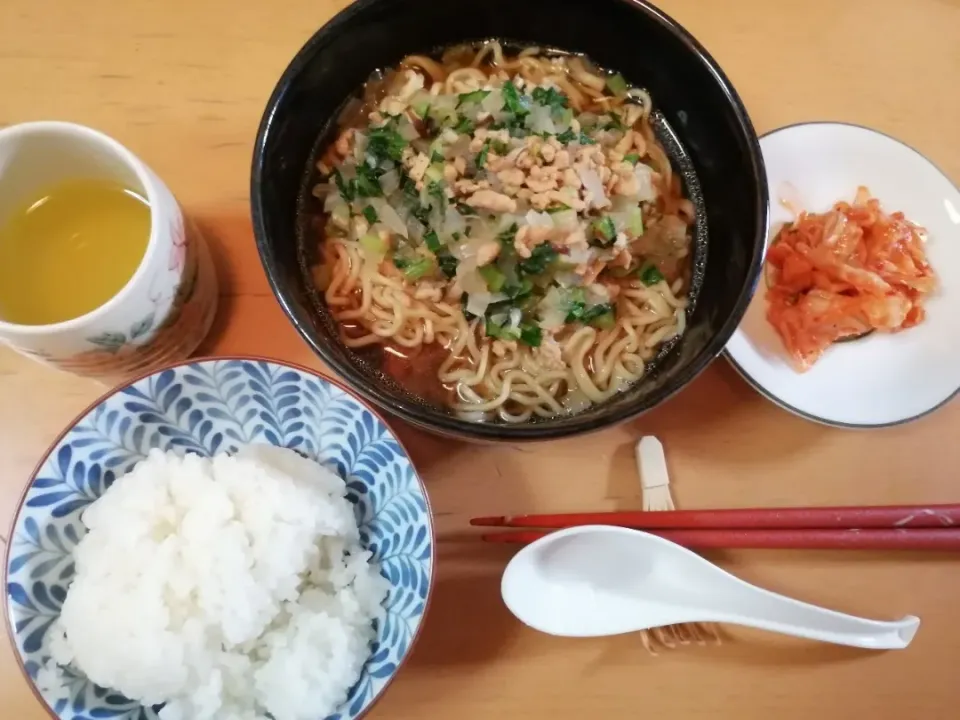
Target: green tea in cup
x=100, y=272
x=68, y=248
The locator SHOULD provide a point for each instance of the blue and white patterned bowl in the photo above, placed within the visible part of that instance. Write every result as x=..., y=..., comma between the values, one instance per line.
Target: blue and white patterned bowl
x=205, y=407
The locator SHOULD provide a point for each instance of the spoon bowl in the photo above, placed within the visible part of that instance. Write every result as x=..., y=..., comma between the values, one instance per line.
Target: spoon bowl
x=598, y=580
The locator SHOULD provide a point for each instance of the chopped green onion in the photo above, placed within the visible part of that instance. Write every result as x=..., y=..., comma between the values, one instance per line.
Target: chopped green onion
x=559, y=207
x=370, y=213
x=550, y=97
x=650, y=275
x=432, y=241
x=447, y=262
x=493, y=277
x=501, y=332
x=344, y=186
x=367, y=183
x=531, y=335
x=604, y=230
x=632, y=158
x=617, y=85
x=437, y=157
x=518, y=290
x=413, y=269
x=386, y=143
x=512, y=102
x=579, y=312
x=500, y=148
x=568, y=136
x=422, y=109
x=464, y=126
x=605, y=320
x=472, y=97
x=465, y=209
x=540, y=258
x=434, y=173
x=373, y=244
x=507, y=236
x=482, y=155
x=635, y=222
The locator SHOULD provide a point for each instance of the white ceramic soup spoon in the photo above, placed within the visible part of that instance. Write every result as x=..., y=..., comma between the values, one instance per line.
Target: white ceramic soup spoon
x=599, y=580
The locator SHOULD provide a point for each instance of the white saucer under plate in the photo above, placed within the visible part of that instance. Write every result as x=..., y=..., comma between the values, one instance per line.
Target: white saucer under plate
x=882, y=379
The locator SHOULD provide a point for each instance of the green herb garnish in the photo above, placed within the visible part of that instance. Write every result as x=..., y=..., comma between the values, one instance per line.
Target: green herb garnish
x=550, y=97
x=604, y=230
x=413, y=268
x=605, y=320
x=436, y=157
x=568, y=136
x=464, y=126
x=579, y=311
x=650, y=275
x=482, y=155
x=530, y=334
x=432, y=241
x=509, y=235
x=540, y=258
x=518, y=290
x=367, y=183
x=493, y=276
x=472, y=97
x=632, y=158
x=344, y=186
x=370, y=213
x=512, y=102
x=501, y=332
x=447, y=262
x=385, y=142
x=465, y=209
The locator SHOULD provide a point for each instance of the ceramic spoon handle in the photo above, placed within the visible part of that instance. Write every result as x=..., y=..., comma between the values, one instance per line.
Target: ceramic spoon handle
x=765, y=610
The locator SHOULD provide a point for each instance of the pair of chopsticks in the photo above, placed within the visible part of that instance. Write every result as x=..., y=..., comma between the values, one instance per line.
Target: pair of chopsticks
x=905, y=527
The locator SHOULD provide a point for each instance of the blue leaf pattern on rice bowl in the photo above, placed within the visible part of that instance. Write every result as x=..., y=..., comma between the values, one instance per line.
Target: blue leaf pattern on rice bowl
x=209, y=407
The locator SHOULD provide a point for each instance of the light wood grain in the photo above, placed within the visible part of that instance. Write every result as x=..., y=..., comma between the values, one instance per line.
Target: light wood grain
x=183, y=85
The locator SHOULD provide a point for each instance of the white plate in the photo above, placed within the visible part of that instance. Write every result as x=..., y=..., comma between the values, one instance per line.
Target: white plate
x=882, y=379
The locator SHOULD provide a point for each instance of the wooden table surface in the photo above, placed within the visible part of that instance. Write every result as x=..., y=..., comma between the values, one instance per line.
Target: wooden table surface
x=183, y=85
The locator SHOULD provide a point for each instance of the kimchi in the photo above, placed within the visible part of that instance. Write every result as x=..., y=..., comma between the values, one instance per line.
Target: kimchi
x=844, y=273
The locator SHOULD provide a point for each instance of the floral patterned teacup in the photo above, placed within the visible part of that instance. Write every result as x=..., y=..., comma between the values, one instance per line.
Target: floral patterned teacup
x=166, y=308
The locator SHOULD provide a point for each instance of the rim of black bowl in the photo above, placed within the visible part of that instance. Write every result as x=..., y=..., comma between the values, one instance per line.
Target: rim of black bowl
x=183, y=363
x=448, y=424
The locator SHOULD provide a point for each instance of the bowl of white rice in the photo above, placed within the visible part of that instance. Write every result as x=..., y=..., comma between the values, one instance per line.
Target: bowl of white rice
x=234, y=539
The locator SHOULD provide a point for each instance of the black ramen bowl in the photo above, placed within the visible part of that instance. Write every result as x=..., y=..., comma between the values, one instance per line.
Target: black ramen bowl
x=697, y=104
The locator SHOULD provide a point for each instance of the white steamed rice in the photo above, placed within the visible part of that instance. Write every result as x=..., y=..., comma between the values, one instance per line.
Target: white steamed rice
x=227, y=588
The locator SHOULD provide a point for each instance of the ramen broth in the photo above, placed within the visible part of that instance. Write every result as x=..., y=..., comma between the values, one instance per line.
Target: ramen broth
x=504, y=234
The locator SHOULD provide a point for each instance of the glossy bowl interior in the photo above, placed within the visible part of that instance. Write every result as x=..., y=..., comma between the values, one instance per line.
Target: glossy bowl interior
x=648, y=48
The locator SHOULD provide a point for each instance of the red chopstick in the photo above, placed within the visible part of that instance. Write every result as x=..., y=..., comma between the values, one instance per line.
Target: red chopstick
x=785, y=539
x=891, y=517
